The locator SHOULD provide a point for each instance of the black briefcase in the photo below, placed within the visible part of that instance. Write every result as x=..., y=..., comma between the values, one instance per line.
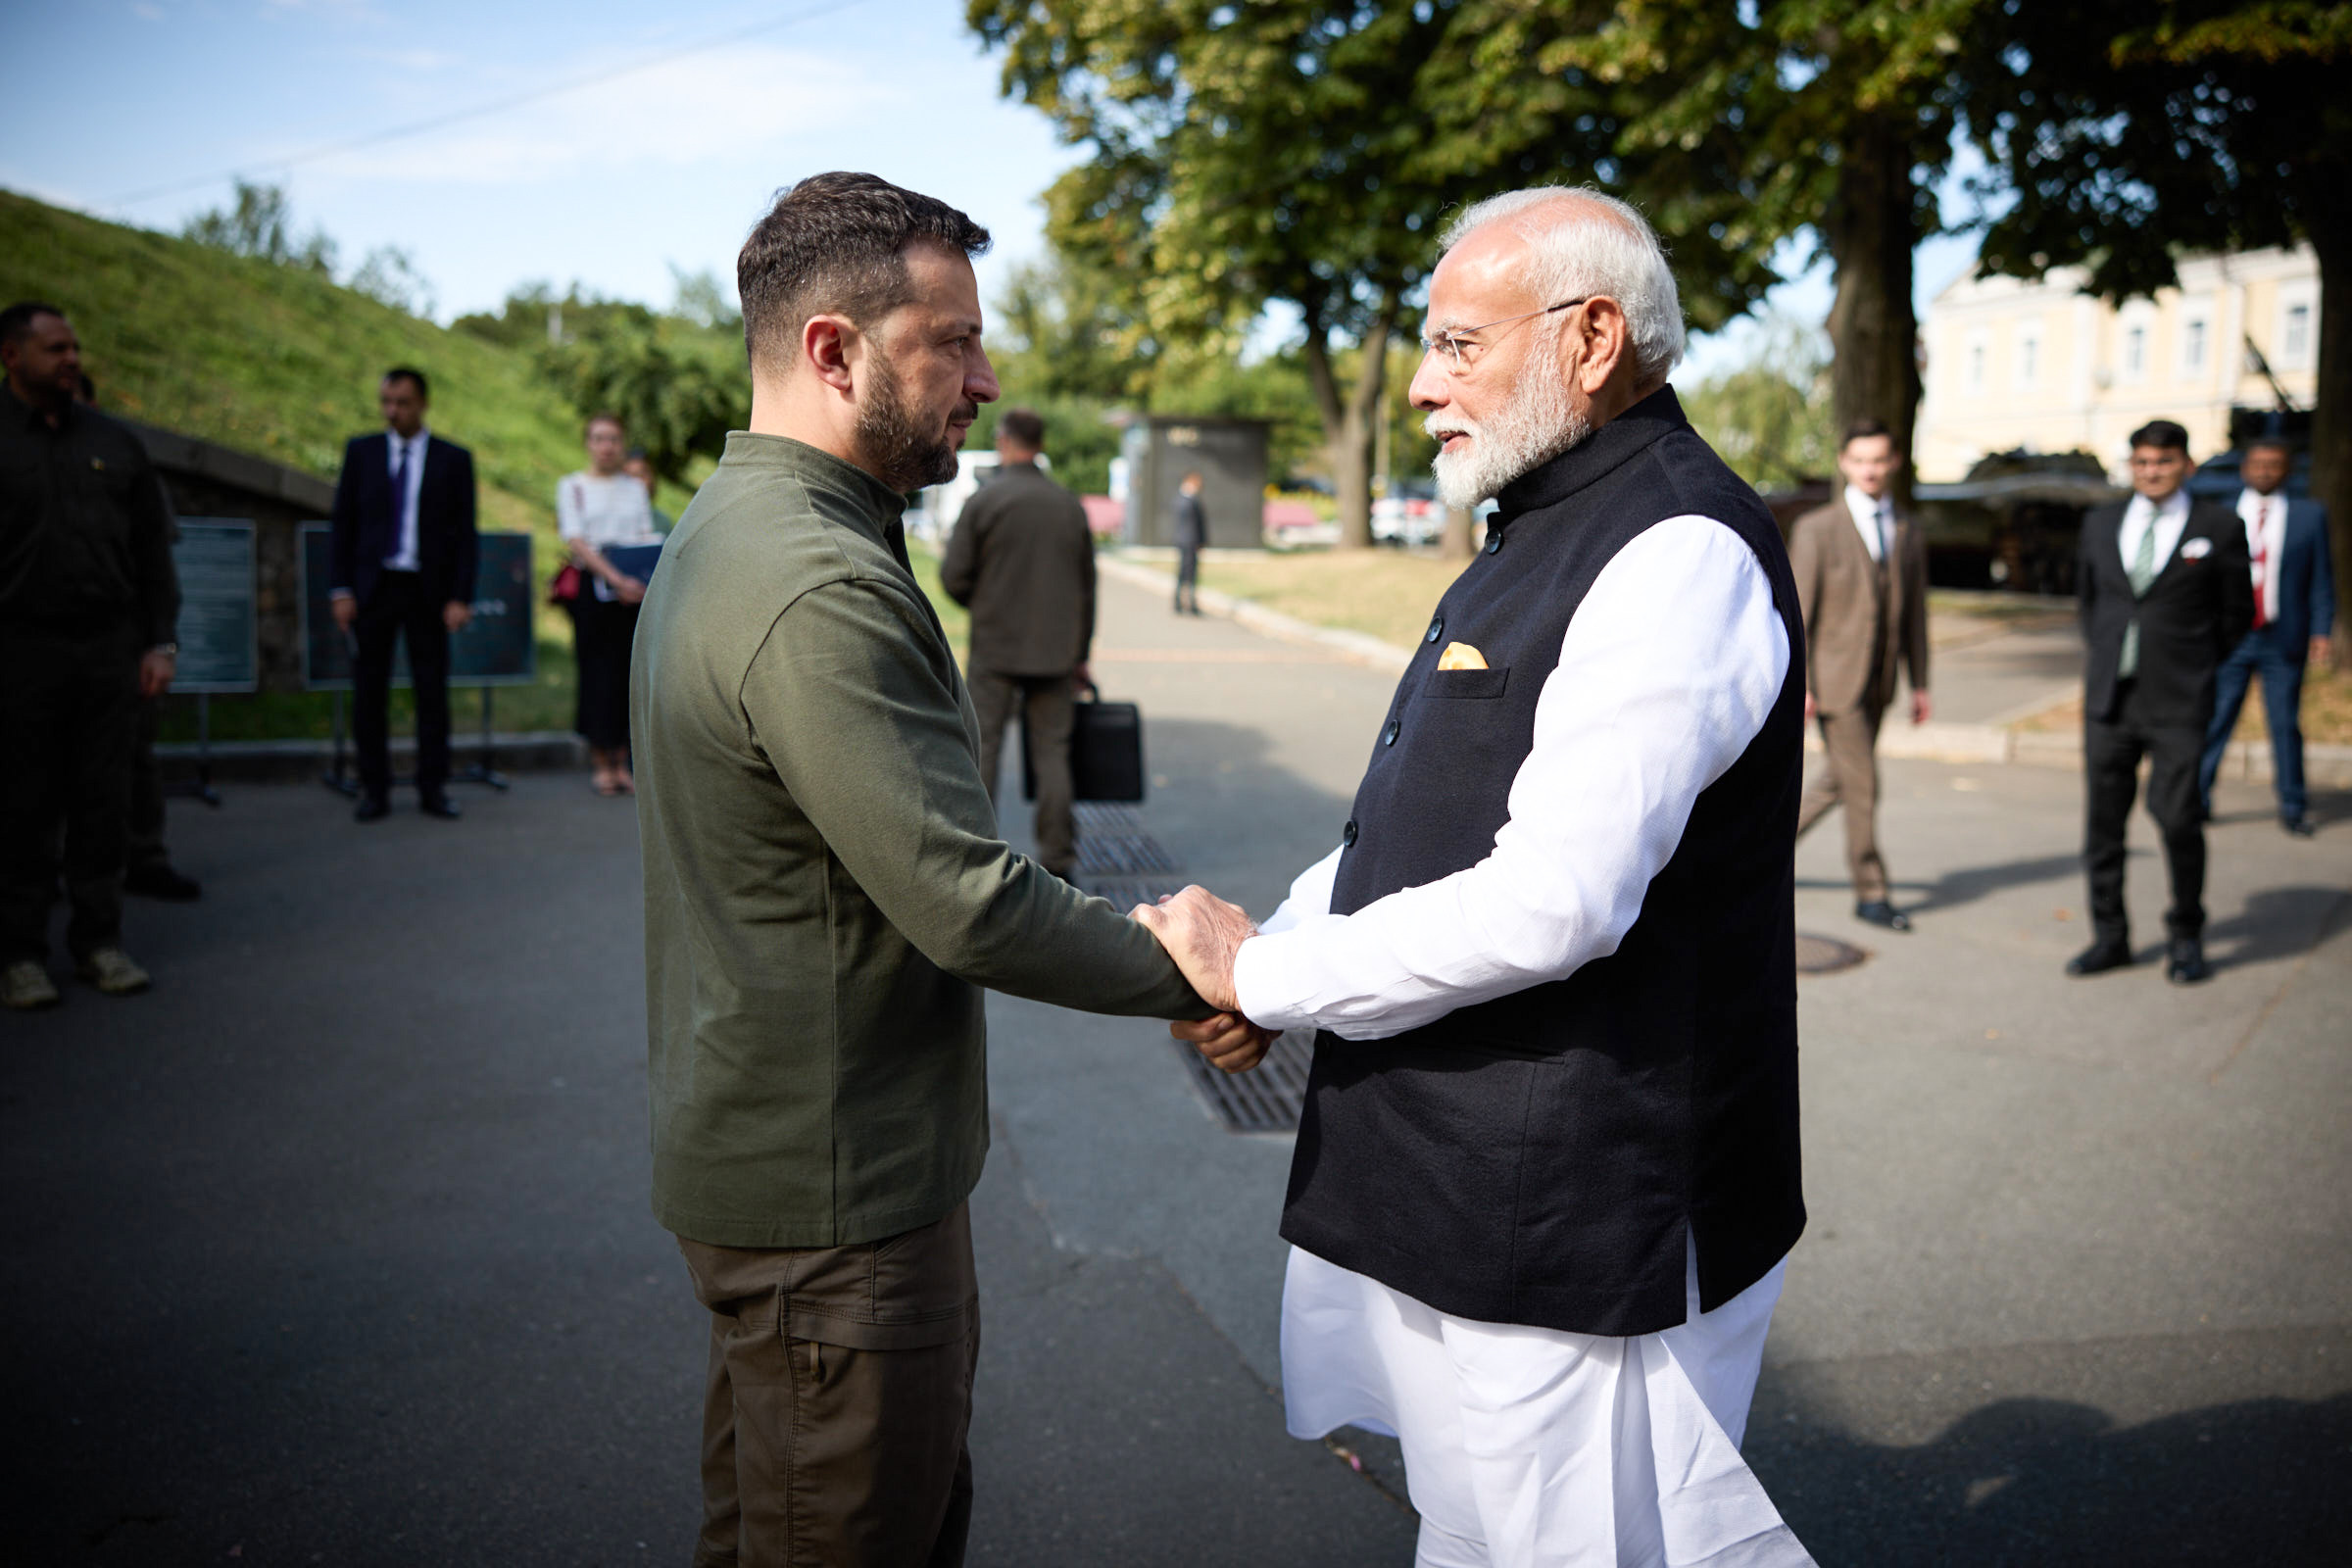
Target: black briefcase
x=1106, y=752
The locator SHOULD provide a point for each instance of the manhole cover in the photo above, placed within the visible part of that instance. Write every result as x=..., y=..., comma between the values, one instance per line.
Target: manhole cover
x=1264, y=1099
x=1825, y=954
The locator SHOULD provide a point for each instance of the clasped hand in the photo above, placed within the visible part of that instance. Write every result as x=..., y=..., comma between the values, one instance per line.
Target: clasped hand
x=1201, y=933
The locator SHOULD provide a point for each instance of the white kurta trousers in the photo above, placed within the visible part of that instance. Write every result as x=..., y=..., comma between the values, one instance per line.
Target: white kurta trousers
x=1528, y=1448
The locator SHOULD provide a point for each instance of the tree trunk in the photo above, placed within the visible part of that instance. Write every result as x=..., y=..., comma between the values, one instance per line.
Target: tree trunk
x=1870, y=229
x=1453, y=541
x=2331, y=412
x=1348, y=426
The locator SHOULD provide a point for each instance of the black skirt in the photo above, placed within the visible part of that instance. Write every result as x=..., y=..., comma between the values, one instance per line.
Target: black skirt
x=602, y=632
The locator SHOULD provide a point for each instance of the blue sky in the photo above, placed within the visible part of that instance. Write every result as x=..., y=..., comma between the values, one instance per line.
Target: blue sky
x=663, y=162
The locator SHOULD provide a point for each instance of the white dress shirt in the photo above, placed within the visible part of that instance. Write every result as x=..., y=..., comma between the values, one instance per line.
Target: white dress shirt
x=1666, y=673
x=2168, y=519
x=1874, y=521
x=2266, y=540
x=406, y=458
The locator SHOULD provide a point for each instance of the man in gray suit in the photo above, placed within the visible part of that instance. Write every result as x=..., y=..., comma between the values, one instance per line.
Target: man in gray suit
x=1022, y=561
x=1862, y=578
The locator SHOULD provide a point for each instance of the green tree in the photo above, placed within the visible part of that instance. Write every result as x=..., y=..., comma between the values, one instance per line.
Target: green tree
x=677, y=387
x=261, y=225
x=1839, y=117
x=2133, y=132
x=1306, y=151
x=1770, y=417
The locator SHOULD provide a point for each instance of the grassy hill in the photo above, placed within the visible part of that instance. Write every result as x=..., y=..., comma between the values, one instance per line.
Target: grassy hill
x=283, y=364
x=276, y=361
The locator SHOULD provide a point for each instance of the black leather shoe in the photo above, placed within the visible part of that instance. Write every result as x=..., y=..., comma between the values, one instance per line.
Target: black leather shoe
x=2185, y=962
x=2099, y=957
x=162, y=882
x=371, y=808
x=1883, y=914
x=2301, y=827
x=440, y=806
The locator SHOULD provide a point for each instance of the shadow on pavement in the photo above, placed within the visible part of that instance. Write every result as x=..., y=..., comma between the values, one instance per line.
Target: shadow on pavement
x=1966, y=886
x=2048, y=1482
x=2276, y=923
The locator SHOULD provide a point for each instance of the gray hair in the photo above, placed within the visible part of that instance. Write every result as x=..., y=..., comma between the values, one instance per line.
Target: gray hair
x=1583, y=242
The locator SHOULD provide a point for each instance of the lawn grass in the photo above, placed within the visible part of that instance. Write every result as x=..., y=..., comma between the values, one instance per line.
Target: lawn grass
x=1386, y=594
x=2326, y=711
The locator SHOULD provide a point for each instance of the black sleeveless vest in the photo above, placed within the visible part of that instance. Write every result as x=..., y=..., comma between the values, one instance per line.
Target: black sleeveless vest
x=1542, y=1157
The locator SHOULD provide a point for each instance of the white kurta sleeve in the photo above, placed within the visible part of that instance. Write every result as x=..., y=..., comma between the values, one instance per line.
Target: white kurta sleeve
x=1666, y=674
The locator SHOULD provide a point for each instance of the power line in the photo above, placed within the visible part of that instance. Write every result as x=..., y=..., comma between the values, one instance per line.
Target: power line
x=495, y=107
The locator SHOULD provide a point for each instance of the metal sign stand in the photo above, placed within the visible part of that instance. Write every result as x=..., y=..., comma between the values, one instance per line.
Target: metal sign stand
x=337, y=778
x=481, y=772
x=201, y=789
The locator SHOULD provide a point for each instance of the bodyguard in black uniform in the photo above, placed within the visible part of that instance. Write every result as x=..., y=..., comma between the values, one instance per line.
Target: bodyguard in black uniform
x=2166, y=592
x=88, y=603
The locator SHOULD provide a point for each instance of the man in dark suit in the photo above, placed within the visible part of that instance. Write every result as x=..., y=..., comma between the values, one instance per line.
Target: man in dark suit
x=1192, y=532
x=404, y=560
x=2294, y=611
x=2164, y=597
x=1022, y=561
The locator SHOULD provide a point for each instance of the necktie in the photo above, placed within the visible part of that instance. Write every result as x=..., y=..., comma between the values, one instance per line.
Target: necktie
x=400, y=496
x=2142, y=573
x=1886, y=533
x=2262, y=569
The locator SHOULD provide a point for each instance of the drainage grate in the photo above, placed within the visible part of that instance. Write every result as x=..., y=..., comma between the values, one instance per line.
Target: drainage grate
x=1825, y=954
x=1121, y=854
x=1264, y=1099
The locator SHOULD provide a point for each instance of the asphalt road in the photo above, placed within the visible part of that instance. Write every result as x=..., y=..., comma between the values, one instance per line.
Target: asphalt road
x=335, y=1247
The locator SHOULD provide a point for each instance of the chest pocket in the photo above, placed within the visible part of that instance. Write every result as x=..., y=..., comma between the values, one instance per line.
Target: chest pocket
x=1465, y=683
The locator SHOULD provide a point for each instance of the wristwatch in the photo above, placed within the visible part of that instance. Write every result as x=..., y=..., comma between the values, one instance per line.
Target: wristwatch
x=171, y=650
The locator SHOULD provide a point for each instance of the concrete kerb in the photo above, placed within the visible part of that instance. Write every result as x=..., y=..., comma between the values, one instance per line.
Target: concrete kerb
x=260, y=761
x=2004, y=742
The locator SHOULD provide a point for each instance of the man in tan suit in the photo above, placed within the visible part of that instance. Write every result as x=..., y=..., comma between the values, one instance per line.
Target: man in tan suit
x=1862, y=580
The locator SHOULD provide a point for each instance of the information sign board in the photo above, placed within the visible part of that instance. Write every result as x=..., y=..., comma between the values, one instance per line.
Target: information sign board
x=219, y=633
x=496, y=649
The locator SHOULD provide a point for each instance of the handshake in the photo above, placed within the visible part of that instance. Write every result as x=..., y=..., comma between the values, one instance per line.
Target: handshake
x=1201, y=933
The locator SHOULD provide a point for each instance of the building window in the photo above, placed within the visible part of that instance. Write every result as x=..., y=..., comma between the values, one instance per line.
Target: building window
x=2029, y=359
x=2193, y=348
x=1975, y=366
x=2135, y=353
x=2295, y=335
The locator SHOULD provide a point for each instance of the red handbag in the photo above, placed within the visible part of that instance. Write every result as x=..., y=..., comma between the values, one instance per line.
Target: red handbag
x=564, y=587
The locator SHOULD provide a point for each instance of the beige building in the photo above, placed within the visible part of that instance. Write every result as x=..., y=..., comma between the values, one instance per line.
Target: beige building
x=2042, y=367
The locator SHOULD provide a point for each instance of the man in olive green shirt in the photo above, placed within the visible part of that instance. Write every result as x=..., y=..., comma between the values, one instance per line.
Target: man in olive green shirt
x=827, y=897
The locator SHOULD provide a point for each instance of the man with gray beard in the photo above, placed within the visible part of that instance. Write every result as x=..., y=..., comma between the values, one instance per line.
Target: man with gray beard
x=1547, y=1176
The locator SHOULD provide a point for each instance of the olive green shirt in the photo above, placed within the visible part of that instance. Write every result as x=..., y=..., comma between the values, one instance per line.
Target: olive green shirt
x=825, y=892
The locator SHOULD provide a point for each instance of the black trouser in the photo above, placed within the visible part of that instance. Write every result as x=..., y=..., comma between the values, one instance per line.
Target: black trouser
x=400, y=607
x=1188, y=577
x=2111, y=753
x=67, y=710
x=604, y=631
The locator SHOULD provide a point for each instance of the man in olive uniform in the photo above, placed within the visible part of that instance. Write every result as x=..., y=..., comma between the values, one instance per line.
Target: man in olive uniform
x=88, y=603
x=825, y=896
x=1022, y=561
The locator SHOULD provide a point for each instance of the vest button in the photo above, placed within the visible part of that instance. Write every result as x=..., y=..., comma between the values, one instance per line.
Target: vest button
x=1493, y=541
x=1348, y=834
x=1437, y=629
x=1389, y=736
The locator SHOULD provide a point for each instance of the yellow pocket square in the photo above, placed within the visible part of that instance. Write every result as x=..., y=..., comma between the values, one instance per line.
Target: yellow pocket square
x=1461, y=656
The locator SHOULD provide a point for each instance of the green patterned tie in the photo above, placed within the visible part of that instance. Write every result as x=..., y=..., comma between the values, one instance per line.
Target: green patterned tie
x=2143, y=573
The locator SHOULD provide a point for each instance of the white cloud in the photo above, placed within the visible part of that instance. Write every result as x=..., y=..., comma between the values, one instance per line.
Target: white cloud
x=720, y=105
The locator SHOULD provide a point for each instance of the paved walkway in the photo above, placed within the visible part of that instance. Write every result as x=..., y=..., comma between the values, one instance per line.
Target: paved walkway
x=335, y=1247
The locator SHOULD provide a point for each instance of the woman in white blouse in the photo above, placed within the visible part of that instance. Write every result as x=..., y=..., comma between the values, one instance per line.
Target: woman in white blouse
x=596, y=510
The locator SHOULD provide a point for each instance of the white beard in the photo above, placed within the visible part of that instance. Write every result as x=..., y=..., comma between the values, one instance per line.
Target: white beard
x=1535, y=424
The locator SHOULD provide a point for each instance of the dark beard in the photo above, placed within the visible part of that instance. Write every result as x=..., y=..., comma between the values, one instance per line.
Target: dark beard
x=903, y=457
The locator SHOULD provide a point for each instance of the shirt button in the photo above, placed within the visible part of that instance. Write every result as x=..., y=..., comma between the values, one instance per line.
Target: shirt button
x=1437, y=629
x=1493, y=541
x=1389, y=737
x=1348, y=834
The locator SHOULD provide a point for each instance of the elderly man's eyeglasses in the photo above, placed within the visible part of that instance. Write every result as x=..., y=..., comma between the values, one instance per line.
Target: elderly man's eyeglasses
x=1462, y=348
